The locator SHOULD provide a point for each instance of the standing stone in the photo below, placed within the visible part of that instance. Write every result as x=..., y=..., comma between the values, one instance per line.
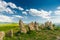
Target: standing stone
x=10, y=33
x=49, y=25
x=31, y=26
x=36, y=26
x=2, y=34
x=22, y=27
x=42, y=26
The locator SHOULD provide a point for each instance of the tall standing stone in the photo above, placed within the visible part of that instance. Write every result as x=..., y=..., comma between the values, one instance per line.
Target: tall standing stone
x=22, y=27
x=51, y=26
x=31, y=26
x=36, y=26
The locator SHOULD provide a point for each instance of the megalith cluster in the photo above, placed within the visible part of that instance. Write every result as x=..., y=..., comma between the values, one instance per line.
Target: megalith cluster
x=35, y=26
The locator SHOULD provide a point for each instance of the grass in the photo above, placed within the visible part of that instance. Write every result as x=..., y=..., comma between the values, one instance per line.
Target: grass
x=5, y=27
x=32, y=35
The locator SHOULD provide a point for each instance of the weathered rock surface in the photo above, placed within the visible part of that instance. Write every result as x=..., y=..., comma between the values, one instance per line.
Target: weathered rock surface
x=58, y=38
x=36, y=26
x=42, y=26
x=2, y=34
x=22, y=27
x=49, y=25
x=31, y=26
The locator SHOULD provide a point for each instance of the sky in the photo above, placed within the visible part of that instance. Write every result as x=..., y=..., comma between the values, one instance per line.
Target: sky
x=30, y=10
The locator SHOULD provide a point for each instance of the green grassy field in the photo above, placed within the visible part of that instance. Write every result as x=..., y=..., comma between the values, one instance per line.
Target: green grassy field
x=32, y=35
x=5, y=27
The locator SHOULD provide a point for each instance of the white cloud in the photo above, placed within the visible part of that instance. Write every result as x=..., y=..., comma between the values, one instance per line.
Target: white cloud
x=4, y=6
x=20, y=8
x=55, y=19
x=18, y=16
x=12, y=5
x=57, y=12
x=24, y=12
x=9, y=10
x=41, y=13
x=4, y=18
x=34, y=12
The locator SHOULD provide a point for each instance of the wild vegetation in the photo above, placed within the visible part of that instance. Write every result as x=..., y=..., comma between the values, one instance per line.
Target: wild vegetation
x=43, y=34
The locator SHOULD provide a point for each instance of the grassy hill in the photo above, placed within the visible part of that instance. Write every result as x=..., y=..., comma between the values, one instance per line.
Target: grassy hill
x=43, y=34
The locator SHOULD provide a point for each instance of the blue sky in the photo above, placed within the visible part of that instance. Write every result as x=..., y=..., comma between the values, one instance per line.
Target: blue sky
x=30, y=10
